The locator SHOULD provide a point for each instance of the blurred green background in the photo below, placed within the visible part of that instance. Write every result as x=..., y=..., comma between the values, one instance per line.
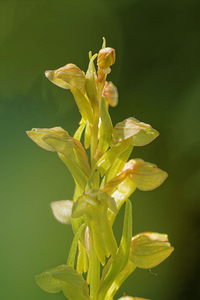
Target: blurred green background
x=157, y=73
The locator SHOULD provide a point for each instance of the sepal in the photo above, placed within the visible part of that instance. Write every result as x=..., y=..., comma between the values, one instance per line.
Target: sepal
x=68, y=76
x=140, y=133
x=146, y=176
x=37, y=134
x=71, y=77
x=149, y=249
x=62, y=211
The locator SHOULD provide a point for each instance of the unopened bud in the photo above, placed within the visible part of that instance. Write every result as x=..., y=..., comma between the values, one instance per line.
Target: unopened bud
x=110, y=93
x=106, y=58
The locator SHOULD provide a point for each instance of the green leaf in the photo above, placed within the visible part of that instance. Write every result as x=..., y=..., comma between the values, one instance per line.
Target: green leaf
x=64, y=278
x=47, y=283
x=147, y=176
x=149, y=249
x=140, y=133
x=74, y=286
x=62, y=210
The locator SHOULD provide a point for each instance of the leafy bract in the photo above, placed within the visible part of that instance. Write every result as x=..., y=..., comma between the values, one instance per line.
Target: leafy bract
x=105, y=130
x=64, y=278
x=140, y=133
x=91, y=77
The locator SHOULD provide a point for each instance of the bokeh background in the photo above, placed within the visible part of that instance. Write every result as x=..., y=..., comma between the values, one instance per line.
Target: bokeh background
x=158, y=77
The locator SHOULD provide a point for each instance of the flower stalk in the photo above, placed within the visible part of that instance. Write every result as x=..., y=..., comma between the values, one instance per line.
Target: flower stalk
x=97, y=266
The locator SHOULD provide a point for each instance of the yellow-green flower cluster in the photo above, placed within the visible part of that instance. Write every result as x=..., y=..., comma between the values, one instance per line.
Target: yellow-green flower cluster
x=104, y=181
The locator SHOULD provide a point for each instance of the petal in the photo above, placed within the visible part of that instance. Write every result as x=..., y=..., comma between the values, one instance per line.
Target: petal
x=140, y=133
x=62, y=210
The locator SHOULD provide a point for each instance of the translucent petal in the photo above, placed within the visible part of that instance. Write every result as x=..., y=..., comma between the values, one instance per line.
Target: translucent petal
x=139, y=132
x=37, y=134
x=146, y=176
x=149, y=249
x=62, y=210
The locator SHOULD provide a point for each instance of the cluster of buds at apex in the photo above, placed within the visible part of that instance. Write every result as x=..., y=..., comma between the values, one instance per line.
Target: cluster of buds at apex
x=105, y=59
x=110, y=93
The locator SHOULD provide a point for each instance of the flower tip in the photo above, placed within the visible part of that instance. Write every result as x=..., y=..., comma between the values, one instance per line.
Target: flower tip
x=48, y=74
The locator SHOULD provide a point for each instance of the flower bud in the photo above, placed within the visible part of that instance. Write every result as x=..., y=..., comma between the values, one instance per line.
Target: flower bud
x=149, y=249
x=110, y=93
x=106, y=58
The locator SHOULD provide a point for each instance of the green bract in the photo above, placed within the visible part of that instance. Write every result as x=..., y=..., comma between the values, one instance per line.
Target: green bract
x=96, y=265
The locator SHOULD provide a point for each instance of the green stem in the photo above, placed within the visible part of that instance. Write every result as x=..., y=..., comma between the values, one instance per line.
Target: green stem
x=121, y=277
x=109, y=291
x=94, y=133
x=94, y=270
